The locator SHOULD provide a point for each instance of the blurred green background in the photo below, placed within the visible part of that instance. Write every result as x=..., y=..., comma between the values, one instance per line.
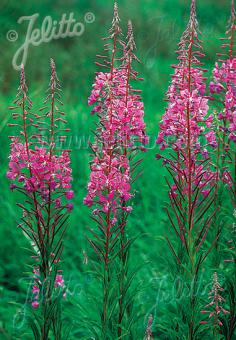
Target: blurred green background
x=158, y=26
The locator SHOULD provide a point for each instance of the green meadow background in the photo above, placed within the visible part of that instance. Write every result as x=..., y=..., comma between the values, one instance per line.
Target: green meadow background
x=158, y=25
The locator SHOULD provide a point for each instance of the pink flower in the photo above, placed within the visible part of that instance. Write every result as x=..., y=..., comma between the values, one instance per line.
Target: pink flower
x=69, y=207
x=215, y=88
x=35, y=289
x=69, y=194
x=173, y=194
x=59, y=282
x=128, y=209
x=211, y=138
x=224, y=75
x=114, y=221
x=13, y=186
x=205, y=193
x=57, y=203
x=35, y=304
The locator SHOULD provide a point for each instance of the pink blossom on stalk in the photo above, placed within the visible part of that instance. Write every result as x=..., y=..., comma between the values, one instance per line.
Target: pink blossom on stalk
x=224, y=75
x=174, y=122
x=205, y=192
x=47, y=171
x=42, y=172
x=223, y=86
x=214, y=308
x=121, y=123
x=119, y=135
x=59, y=282
x=127, y=112
x=211, y=138
x=186, y=126
x=108, y=174
x=223, y=90
x=69, y=194
x=35, y=288
x=69, y=207
x=186, y=132
x=215, y=88
x=57, y=203
x=35, y=304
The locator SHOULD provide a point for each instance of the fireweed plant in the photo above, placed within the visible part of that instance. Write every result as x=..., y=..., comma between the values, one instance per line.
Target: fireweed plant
x=222, y=90
x=223, y=96
x=41, y=172
x=187, y=135
x=120, y=130
x=198, y=151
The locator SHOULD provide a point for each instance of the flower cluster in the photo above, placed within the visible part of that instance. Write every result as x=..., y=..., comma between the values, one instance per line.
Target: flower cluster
x=42, y=172
x=215, y=303
x=119, y=135
x=38, y=171
x=186, y=131
x=121, y=123
x=224, y=84
x=223, y=94
x=109, y=176
x=127, y=110
x=186, y=127
x=174, y=126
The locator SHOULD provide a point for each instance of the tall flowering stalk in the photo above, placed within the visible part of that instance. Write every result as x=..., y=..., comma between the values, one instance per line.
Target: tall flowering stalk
x=223, y=96
x=120, y=112
x=42, y=173
x=185, y=130
x=223, y=91
x=132, y=130
x=214, y=308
